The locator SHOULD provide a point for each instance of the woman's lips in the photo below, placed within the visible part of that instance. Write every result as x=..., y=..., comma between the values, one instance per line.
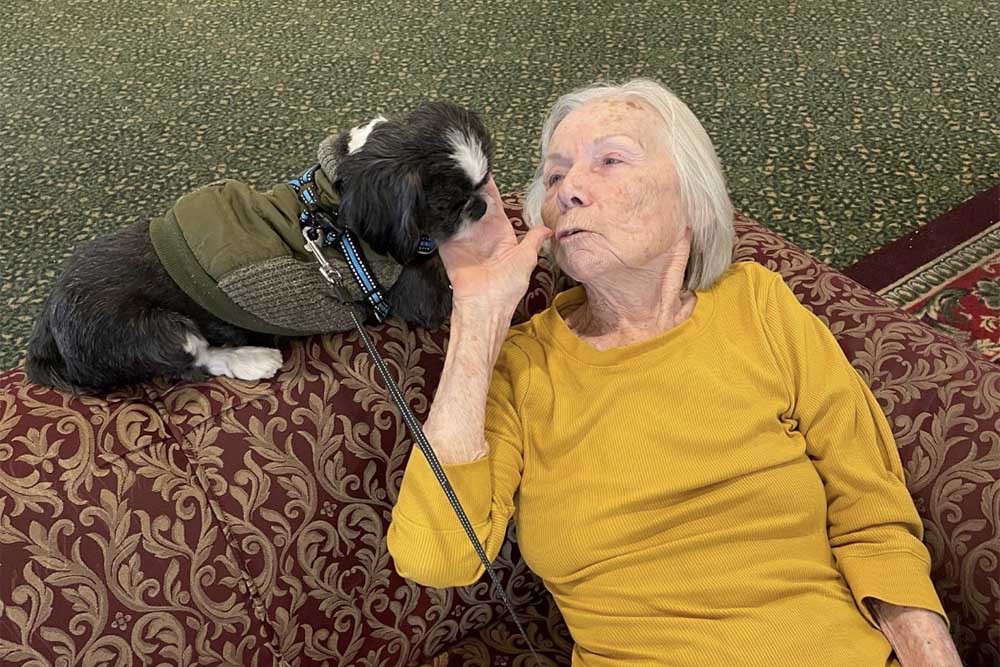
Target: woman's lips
x=562, y=236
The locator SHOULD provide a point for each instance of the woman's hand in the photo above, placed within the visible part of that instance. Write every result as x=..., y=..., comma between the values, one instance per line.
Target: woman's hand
x=489, y=270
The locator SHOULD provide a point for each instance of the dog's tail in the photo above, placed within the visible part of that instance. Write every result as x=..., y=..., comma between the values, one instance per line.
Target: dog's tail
x=44, y=363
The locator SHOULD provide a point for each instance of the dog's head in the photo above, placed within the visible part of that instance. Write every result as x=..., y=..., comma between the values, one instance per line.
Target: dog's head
x=423, y=173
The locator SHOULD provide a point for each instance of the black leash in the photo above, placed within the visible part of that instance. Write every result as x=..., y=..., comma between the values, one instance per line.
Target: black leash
x=316, y=235
x=418, y=434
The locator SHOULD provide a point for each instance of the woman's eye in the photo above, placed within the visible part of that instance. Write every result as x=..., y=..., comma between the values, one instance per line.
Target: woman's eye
x=553, y=179
x=608, y=161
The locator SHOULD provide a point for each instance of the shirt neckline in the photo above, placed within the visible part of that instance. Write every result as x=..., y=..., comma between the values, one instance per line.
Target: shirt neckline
x=553, y=322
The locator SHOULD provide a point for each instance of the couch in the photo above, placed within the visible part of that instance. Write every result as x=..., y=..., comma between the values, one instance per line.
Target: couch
x=237, y=523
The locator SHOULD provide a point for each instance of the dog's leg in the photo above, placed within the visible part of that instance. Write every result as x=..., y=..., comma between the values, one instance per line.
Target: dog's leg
x=242, y=363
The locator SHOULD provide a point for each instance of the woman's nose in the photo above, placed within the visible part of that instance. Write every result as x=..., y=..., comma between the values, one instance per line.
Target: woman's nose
x=572, y=193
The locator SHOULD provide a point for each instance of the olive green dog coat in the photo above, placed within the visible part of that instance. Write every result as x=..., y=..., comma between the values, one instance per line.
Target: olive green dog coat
x=240, y=254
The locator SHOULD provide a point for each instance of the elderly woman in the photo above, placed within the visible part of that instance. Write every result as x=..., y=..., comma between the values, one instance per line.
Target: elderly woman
x=695, y=470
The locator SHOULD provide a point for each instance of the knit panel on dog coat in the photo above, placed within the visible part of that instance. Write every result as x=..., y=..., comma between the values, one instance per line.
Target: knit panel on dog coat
x=290, y=294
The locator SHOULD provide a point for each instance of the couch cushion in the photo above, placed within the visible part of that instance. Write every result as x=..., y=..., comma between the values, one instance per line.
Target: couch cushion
x=110, y=550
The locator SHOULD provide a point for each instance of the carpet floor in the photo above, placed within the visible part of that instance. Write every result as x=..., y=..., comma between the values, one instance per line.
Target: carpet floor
x=841, y=125
x=947, y=273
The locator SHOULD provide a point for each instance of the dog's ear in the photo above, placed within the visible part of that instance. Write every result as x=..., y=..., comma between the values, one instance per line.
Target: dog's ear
x=340, y=145
x=382, y=206
x=357, y=136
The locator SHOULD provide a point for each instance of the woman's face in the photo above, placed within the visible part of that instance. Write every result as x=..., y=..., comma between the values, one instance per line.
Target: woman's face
x=611, y=192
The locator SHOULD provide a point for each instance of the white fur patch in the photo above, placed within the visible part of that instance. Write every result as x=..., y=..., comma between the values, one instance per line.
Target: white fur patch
x=469, y=155
x=195, y=345
x=359, y=135
x=242, y=363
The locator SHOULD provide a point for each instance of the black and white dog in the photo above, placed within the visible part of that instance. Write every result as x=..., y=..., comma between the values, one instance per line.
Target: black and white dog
x=115, y=316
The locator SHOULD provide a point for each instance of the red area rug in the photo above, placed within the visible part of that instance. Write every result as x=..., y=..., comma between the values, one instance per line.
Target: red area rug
x=947, y=273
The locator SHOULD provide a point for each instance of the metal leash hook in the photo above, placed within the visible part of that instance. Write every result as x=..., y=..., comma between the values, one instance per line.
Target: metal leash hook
x=329, y=271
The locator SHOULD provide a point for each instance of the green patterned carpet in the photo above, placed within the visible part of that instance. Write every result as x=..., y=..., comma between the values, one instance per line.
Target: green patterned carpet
x=843, y=125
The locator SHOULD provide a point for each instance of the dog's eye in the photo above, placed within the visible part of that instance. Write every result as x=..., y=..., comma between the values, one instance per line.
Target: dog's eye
x=477, y=208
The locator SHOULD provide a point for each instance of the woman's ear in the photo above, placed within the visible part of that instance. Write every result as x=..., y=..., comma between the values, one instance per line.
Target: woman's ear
x=382, y=206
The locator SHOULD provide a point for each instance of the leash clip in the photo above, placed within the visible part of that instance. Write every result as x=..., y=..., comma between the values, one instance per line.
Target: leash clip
x=329, y=271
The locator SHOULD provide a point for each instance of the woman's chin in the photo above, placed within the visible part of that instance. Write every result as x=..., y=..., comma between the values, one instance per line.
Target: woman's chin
x=580, y=265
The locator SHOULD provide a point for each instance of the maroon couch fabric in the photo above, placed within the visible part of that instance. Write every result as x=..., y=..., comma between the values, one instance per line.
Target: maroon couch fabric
x=235, y=523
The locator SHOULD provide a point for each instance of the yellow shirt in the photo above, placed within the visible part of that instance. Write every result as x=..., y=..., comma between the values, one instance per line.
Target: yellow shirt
x=725, y=493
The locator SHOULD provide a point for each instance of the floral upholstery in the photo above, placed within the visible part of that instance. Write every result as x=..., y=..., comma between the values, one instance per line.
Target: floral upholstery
x=235, y=523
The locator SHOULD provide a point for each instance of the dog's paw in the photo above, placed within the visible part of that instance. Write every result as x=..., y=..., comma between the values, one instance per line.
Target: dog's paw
x=244, y=363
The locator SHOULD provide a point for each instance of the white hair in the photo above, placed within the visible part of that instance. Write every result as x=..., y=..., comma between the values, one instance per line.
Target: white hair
x=704, y=198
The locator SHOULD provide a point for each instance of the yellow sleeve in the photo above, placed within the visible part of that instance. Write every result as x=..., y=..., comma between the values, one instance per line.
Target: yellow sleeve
x=874, y=529
x=425, y=538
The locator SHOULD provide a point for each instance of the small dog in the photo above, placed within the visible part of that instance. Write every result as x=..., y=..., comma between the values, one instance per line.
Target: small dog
x=118, y=315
